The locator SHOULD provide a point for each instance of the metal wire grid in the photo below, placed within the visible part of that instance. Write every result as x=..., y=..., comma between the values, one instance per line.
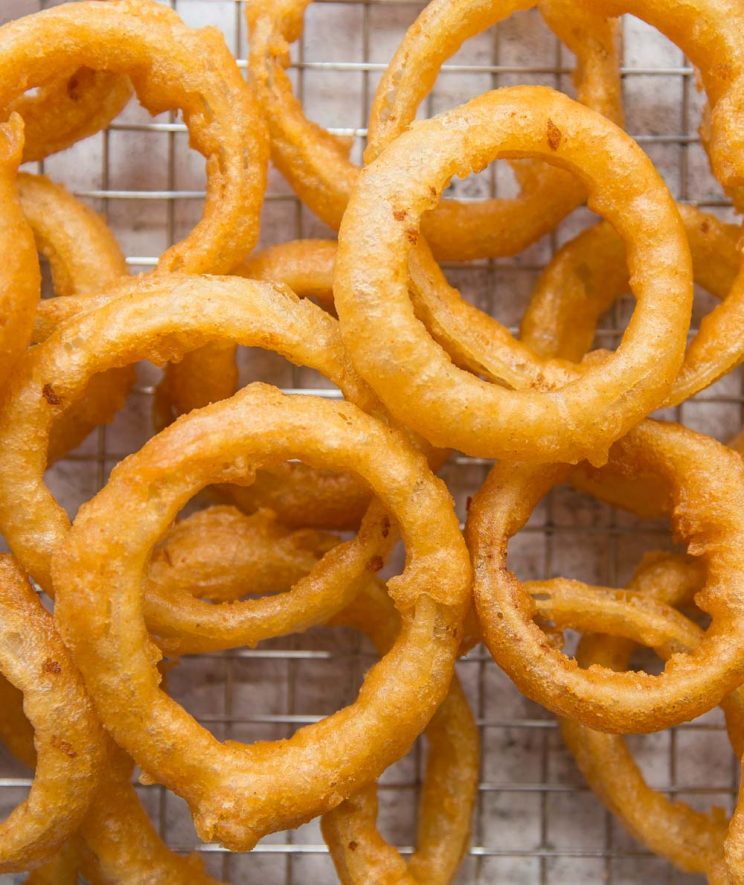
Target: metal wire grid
x=535, y=820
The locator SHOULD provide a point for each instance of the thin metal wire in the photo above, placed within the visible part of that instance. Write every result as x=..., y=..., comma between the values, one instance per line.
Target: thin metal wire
x=489, y=841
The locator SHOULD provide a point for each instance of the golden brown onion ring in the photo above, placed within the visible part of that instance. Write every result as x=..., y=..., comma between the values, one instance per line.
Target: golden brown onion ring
x=83, y=257
x=20, y=281
x=68, y=740
x=68, y=109
x=323, y=763
x=160, y=318
x=173, y=67
x=301, y=497
x=589, y=273
x=643, y=494
x=306, y=266
x=415, y=378
x=215, y=551
x=316, y=163
x=708, y=32
x=691, y=839
x=233, y=553
x=449, y=790
x=706, y=482
x=116, y=843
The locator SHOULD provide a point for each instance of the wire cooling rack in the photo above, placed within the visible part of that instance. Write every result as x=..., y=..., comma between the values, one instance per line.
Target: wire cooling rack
x=536, y=822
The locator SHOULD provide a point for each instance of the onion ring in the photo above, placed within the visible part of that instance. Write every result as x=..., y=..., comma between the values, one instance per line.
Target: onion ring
x=221, y=555
x=316, y=163
x=233, y=553
x=691, y=840
x=185, y=624
x=289, y=779
x=68, y=738
x=20, y=283
x=223, y=119
x=589, y=273
x=215, y=550
x=707, y=490
x=415, y=379
x=160, y=54
x=708, y=32
x=644, y=495
x=301, y=497
x=68, y=109
x=449, y=790
x=60, y=870
x=160, y=318
x=83, y=255
x=474, y=340
x=306, y=266
x=116, y=840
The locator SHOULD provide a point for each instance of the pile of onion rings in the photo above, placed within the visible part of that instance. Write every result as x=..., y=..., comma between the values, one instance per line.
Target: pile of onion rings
x=248, y=513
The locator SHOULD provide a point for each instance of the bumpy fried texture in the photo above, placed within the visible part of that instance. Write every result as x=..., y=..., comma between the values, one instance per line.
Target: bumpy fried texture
x=157, y=318
x=224, y=553
x=84, y=258
x=301, y=497
x=214, y=551
x=323, y=763
x=644, y=494
x=588, y=275
x=116, y=843
x=306, y=266
x=415, y=378
x=691, y=839
x=20, y=278
x=709, y=34
x=449, y=791
x=220, y=554
x=184, y=624
x=68, y=741
x=67, y=109
x=316, y=163
x=172, y=67
x=706, y=482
